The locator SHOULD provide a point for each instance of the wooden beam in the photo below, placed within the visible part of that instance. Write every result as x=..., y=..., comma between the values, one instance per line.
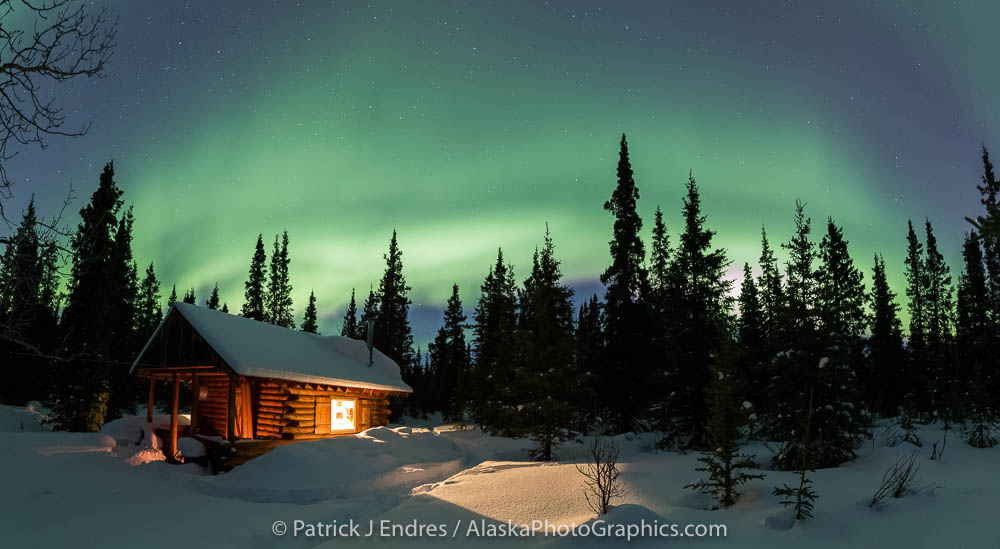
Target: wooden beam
x=194, y=403
x=231, y=415
x=149, y=407
x=149, y=370
x=172, y=443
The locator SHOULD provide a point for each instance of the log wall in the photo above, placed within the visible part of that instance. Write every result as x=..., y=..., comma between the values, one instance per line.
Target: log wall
x=288, y=410
x=213, y=411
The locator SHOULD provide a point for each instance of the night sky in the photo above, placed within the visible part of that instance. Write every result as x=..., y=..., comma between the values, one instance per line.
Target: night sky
x=467, y=126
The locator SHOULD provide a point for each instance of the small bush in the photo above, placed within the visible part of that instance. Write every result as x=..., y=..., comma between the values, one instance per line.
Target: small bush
x=981, y=431
x=602, y=483
x=899, y=480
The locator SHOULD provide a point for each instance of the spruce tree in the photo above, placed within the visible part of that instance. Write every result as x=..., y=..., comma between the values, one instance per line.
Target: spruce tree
x=700, y=297
x=889, y=379
x=125, y=388
x=988, y=228
x=589, y=354
x=189, y=296
x=278, y=301
x=724, y=463
x=490, y=386
x=772, y=312
x=841, y=292
x=771, y=298
x=350, y=327
x=20, y=276
x=916, y=292
x=28, y=310
x=172, y=298
x=796, y=366
x=447, y=355
x=547, y=383
x=939, y=297
x=125, y=283
x=753, y=373
x=627, y=327
x=972, y=322
x=148, y=313
x=254, y=296
x=802, y=497
x=841, y=417
x=661, y=317
x=975, y=349
x=940, y=380
x=225, y=307
x=213, y=300
x=392, y=325
x=659, y=258
x=815, y=374
x=81, y=398
x=309, y=318
x=369, y=311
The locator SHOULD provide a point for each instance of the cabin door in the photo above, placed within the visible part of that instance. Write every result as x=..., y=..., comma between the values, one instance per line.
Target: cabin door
x=244, y=410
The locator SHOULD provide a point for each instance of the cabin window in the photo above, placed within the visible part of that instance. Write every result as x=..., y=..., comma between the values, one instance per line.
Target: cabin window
x=342, y=416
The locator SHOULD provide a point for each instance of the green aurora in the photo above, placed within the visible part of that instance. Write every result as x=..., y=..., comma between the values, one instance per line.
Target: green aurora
x=468, y=127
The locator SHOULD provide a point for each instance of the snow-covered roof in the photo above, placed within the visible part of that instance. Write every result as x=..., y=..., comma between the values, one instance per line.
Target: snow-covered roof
x=259, y=349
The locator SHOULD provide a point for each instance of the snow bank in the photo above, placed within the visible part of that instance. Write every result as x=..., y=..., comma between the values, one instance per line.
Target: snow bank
x=511, y=491
x=444, y=475
x=28, y=419
x=136, y=441
x=190, y=447
x=71, y=443
x=379, y=462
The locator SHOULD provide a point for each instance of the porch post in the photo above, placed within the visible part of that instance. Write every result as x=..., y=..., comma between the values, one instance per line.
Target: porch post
x=172, y=443
x=194, y=402
x=149, y=407
x=231, y=416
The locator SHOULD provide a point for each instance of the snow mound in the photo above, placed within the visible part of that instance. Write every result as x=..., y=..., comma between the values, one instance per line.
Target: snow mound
x=379, y=462
x=510, y=491
x=28, y=419
x=145, y=455
x=190, y=447
x=73, y=443
x=136, y=441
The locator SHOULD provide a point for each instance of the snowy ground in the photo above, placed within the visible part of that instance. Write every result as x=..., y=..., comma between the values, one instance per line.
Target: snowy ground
x=111, y=489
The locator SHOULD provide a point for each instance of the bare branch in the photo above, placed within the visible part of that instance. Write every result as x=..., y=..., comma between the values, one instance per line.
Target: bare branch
x=67, y=40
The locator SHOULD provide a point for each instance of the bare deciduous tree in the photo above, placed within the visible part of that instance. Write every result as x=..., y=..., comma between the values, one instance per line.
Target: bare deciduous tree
x=58, y=40
x=602, y=483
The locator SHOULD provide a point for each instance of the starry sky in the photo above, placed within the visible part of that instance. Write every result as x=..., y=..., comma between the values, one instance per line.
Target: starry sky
x=468, y=126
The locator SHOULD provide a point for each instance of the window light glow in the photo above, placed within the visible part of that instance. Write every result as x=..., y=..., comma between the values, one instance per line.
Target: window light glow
x=342, y=415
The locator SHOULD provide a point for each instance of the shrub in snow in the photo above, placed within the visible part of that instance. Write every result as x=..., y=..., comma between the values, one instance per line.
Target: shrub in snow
x=724, y=463
x=898, y=481
x=891, y=436
x=602, y=484
x=981, y=430
x=801, y=497
x=910, y=430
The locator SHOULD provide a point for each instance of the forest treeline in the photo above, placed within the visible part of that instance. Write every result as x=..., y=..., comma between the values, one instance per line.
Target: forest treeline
x=807, y=353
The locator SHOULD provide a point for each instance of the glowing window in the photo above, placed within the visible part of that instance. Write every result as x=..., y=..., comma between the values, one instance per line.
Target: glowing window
x=342, y=415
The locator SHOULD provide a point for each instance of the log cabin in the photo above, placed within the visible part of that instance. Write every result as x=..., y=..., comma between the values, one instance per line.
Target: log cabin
x=255, y=386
